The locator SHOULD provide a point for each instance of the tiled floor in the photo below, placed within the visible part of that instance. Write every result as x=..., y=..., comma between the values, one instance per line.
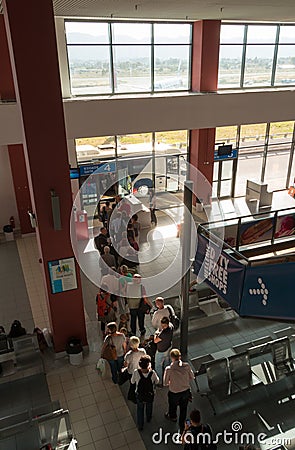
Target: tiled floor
x=100, y=416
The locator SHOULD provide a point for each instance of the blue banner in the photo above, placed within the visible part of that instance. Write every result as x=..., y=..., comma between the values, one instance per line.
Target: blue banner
x=223, y=273
x=108, y=167
x=269, y=291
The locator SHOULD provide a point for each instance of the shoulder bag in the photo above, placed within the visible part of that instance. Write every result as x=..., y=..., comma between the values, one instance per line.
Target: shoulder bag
x=109, y=352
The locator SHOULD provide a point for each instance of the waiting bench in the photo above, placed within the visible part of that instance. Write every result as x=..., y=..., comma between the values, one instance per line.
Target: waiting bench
x=20, y=355
x=226, y=379
x=220, y=379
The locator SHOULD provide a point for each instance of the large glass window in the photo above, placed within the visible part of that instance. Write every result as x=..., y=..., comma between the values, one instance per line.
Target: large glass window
x=128, y=57
x=141, y=161
x=169, y=142
x=258, y=65
x=89, y=69
x=256, y=55
x=230, y=61
x=95, y=149
x=226, y=135
x=264, y=154
x=134, y=144
x=278, y=154
x=132, y=68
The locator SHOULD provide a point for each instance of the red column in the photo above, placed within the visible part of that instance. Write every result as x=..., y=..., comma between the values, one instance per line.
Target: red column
x=16, y=152
x=32, y=45
x=6, y=80
x=205, y=58
x=21, y=186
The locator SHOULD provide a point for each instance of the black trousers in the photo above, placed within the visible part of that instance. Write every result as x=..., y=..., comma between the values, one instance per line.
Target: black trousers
x=178, y=399
x=153, y=216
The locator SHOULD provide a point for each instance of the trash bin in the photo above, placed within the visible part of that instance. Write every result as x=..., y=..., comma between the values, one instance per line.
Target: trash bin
x=8, y=233
x=75, y=351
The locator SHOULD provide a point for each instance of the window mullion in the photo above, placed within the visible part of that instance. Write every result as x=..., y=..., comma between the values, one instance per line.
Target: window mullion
x=275, y=57
x=243, y=57
x=152, y=60
x=111, y=60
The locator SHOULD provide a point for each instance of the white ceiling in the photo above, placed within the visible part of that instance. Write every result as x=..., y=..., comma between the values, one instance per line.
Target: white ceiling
x=258, y=10
x=244, y=10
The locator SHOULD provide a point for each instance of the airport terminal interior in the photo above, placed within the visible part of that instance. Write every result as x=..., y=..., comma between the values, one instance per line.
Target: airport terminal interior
x=165, y=131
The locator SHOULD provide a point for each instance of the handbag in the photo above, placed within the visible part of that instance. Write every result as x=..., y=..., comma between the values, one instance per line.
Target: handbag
x=144, y=306
x=173, y=318
x=101, y=366
x=124, y=375
x=110, y=352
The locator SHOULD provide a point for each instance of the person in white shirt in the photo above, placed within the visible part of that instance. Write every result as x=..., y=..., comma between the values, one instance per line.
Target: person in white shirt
x=162, y=311
x=132, y=357
x=111, y=280
x=178, y=377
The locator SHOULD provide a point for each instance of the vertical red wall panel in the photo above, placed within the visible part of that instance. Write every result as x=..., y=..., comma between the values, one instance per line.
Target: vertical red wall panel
x=205, y=57
x=33, y=51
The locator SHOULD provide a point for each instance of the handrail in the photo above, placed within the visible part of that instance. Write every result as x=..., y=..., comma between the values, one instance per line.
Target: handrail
x=205, y=232
x=239, y=221
x=263, y=213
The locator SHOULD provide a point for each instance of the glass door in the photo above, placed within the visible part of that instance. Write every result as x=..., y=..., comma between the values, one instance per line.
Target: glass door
x=223, y=176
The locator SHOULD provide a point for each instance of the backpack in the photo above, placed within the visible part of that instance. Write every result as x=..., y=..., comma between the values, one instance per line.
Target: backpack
x=201, y=446
x=173, y=319
x=102, y=305
x=145, y=388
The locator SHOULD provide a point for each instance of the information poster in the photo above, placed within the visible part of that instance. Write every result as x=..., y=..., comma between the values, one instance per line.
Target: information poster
x=62, y=275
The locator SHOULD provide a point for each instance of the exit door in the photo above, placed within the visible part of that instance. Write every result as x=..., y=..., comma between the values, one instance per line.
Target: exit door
x=224, y=178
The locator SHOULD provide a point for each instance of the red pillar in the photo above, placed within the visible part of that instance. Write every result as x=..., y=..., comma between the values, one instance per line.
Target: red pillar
x=204, y=79
x=6, y=80
x=21, y=186
x=16, y=152
x=32, y=45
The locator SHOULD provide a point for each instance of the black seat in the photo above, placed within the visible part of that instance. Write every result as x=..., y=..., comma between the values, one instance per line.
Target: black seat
x=285, y=332
x=198, y=363
x=5, y=344
x=218, y=381
x=262, y=340
x=242, y=347
x=282, y=357
x=240, y=372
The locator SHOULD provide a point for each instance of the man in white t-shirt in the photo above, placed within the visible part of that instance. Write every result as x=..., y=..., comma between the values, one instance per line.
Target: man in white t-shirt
x=162, y=311
x=111, y=280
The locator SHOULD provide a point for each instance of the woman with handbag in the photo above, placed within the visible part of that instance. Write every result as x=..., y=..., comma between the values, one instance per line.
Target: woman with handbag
x=114, y=349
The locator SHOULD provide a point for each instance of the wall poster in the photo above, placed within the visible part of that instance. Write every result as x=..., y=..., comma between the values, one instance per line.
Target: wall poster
x=62, y=274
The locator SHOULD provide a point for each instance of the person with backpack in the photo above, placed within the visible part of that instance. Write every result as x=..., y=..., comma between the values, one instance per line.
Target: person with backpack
x=164, y=311
x=196, y=435
x=145, y=379
x=178, y=377
x=104, y=308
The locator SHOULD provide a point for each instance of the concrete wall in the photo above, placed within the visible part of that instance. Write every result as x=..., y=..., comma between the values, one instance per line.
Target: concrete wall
x=121, y=115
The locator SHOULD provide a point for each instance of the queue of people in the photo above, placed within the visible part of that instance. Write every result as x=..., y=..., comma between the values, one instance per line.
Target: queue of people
x=118, y=239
